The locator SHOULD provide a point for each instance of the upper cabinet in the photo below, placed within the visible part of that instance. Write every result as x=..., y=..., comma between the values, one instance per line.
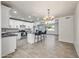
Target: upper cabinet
x=5, y=16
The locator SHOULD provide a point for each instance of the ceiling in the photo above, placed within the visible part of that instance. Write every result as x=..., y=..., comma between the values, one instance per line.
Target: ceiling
x=39, y=8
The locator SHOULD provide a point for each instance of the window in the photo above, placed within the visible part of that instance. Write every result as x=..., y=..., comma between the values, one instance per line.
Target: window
x=51, y=25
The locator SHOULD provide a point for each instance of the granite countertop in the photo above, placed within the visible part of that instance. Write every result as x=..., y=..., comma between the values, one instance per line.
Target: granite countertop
x=8, y=35
x=10, y=32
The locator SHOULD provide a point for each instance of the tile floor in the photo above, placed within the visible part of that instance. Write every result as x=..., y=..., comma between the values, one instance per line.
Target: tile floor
x=49, y=47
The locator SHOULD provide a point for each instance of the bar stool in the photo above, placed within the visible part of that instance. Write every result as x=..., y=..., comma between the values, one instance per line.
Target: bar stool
x=37, y=35
x=43, y=34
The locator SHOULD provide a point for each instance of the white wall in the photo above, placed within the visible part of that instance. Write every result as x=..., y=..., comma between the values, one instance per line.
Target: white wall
x=76, y=40
x=66, y=29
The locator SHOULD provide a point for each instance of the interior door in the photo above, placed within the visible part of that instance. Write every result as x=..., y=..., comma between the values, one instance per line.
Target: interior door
x=66, y=29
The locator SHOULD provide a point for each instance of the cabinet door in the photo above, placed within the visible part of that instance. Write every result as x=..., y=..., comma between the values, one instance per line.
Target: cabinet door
x=5, y=16
x=12, y=43
x=5, y=46
x=8, y=45
x=12, y=23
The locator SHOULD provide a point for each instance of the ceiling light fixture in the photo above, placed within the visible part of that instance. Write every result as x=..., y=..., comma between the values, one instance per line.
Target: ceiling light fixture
x=48, y=17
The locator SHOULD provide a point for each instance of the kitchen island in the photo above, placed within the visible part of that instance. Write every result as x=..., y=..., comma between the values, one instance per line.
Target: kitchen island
x=31, y=38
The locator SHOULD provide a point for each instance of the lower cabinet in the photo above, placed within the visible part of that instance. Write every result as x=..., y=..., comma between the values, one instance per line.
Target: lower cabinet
x=30, y=38
x=18, y=37
x=8, y=45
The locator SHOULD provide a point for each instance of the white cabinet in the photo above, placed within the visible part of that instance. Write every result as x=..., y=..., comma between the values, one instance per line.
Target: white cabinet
x=18, y=37
x=30, y=38
x=5, y=16
x=8, y=45
x=13, y=23
x=16, y=24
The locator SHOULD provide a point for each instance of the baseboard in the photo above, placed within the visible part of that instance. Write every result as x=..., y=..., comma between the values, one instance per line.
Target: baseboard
x=76, y=50
x=65, y=41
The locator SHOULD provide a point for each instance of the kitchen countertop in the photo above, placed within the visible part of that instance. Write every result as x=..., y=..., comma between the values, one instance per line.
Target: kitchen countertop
x=8, y=35
x=10, y=32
